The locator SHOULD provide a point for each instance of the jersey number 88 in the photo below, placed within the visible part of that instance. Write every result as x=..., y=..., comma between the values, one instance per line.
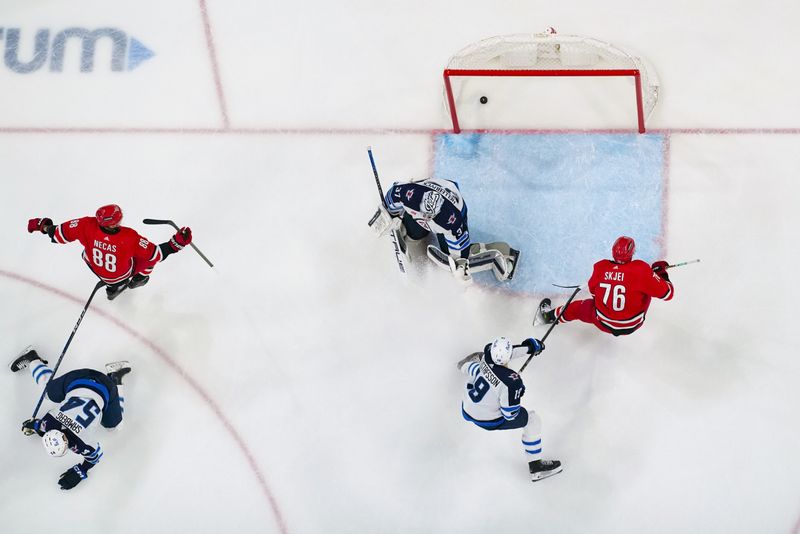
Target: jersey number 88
x=107, y=261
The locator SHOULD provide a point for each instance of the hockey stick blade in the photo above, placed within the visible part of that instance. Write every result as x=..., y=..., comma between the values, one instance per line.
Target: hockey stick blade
x=176, y=227
x=161, y=221
x=566, y=287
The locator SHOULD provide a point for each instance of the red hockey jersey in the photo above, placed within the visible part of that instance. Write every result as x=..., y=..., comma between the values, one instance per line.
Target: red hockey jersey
x=112, y=257
x=622, y=292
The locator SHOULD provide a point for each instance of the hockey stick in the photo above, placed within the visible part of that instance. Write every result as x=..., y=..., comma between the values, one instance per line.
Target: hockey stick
x=398, y=253
x=172, y=224
x=563, y=309
x=63, y=352
x=682, y=263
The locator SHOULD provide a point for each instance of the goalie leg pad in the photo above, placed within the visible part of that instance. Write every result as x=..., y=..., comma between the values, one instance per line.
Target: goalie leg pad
x=498, y=256
x=459, y=268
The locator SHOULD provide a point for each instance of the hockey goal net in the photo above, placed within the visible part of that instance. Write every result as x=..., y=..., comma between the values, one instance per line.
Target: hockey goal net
x=547, y=54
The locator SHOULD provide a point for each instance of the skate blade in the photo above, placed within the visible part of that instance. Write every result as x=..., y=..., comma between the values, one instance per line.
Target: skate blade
x=116, y=366
x=536, y=477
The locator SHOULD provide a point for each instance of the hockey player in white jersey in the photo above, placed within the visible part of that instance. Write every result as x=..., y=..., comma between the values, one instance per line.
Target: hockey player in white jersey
x=86, y=396
x=413, y=210
x=492, y=397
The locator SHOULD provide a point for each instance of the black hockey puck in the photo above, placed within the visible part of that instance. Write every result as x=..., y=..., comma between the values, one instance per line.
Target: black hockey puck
x=484, y=100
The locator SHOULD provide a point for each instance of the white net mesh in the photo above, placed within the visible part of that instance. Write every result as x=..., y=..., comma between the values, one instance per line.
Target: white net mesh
x=551, y=51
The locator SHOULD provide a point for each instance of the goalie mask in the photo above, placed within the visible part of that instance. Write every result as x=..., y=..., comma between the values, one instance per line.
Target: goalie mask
x=431, y=204
x=55, y=443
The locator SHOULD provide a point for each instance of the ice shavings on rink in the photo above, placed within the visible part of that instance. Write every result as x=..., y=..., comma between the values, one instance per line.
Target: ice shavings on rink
x=561, y=199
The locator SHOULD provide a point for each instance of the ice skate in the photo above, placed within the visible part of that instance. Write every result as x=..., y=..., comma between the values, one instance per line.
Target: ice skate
x=543, y=468
x=113, y=292
x=116, y=370
x=24, y=359
x=545, y=313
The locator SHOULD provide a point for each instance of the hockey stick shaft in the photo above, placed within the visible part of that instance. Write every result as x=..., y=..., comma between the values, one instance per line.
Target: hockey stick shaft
x=63, y=352
x=398, y=254
x=375, y=173
x=683, y=263
x=172, y=224
x=563, y=309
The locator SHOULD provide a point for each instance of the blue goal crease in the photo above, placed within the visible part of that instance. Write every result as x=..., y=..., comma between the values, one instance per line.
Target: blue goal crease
x=561, y=199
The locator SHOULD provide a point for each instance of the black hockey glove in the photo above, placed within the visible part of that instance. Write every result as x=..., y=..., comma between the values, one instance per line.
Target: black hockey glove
x=30, y=427
x=534, y=346
x=71, y=477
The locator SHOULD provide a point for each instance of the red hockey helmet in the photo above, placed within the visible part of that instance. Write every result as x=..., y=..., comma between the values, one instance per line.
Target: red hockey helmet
x=623, y=249
x=109, y=216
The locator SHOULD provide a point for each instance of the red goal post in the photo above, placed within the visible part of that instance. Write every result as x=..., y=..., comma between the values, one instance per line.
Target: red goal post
x=550, y=54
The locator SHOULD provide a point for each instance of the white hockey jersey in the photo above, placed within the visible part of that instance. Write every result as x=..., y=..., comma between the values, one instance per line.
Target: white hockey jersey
x=492, y=393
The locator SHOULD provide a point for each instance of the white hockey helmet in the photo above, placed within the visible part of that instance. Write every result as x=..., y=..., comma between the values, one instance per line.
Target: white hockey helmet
x=501, y=350
x=431, y=204
x=55, y=443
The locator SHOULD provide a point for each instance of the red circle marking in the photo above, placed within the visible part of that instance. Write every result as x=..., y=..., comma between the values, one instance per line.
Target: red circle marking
x=166, y=358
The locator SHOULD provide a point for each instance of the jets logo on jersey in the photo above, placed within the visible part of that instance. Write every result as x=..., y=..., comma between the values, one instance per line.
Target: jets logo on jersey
x=409, y=194
x=452, y=219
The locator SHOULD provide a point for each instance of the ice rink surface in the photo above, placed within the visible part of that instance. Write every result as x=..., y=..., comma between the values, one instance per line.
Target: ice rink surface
x=302, y=385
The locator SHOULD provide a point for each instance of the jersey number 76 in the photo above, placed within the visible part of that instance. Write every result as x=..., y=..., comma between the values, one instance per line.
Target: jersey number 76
x=617, y=294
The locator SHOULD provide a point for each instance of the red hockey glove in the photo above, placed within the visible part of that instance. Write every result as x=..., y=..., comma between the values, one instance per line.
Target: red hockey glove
x=181, y=238
x=39, y=224
x=660, y=268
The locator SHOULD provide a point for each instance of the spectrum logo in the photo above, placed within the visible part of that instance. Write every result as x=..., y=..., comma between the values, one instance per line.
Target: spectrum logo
x=127, y=53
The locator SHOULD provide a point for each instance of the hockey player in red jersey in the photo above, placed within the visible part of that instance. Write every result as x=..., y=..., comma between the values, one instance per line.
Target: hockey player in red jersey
x=118, y=255
x=621, y=289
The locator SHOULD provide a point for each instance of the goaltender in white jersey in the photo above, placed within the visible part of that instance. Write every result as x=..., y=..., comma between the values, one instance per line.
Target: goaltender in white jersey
x=492, y=396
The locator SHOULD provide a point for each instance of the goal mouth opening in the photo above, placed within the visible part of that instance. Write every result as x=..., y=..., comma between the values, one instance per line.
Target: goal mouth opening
x=535, y=61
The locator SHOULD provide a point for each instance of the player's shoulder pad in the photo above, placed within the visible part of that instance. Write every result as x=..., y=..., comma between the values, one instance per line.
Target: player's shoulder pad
x=509, y=377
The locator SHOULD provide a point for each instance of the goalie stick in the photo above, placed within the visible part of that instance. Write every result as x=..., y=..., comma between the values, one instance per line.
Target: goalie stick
x=399, y=251
x=563, y=309
x=172, y=224
x=63, y=352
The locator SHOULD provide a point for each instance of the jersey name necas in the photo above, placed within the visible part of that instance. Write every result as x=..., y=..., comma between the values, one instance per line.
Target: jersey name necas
x=112, y=257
